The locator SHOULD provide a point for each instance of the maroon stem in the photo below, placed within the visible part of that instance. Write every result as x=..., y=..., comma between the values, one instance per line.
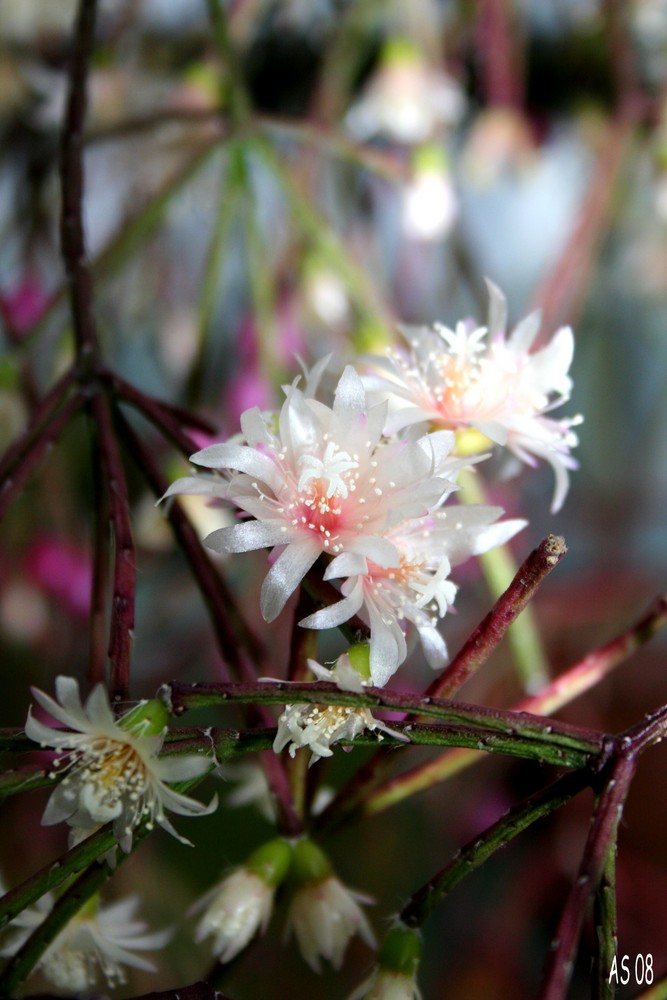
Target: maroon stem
x=168, y=419
x=31, y=449
x=229, y=626
x=97, y=652
x=488, y=634
x=498, y=56
x=609, y=808
x=124, y=568
x=72, y=183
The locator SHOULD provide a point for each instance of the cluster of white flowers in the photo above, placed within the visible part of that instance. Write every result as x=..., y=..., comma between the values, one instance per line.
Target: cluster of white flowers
x=331, y=481
x=477, y=377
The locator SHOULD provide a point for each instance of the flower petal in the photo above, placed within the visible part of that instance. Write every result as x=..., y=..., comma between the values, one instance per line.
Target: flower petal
x=285, y=576
x=248, y=536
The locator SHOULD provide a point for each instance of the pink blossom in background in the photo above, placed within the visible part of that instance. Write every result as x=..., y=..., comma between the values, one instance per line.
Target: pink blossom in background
x=22, y=305
x=63, y=571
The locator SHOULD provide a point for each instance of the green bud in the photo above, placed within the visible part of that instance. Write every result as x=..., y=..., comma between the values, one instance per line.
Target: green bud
x=429, y=158
x=148, y=718
x=400, y=51
x=309, y=863
x=360, y=658
x=401, y=950
x=271, y=861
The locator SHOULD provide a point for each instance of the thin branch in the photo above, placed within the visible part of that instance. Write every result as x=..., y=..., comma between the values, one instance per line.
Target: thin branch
x=489, y=633
x=228, y=624
x=489, y=720
x=601, y=840
x=72, y=236
x=97, y=651
x=597, y=664
x=606, y=929
x=124, y=569
x=499, y=63
x=167, y=418
x=363, y=791
x=27, y=458
x=477, y=851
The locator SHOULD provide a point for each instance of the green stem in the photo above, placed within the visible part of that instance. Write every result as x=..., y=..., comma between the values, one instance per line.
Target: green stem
x=239, y=104
x=474, y=854
x=601, y=841
x=605, y=928
x=500, y=569
x=53, y=875
x=486, y=720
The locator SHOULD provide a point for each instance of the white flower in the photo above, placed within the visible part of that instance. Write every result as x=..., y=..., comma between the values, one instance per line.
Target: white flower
x=323, y=913
x=385, y=984
x=318, y=726
x=395, y=975
x=320, y=479
x=406, y=100
x=458, y=379
x=240, y=906
x=111, y=767
x=98, y=939
x=417, y=590
x=237, y=910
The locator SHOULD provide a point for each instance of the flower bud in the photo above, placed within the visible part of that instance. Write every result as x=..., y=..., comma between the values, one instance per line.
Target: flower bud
x=148, y=718
x=324, y=914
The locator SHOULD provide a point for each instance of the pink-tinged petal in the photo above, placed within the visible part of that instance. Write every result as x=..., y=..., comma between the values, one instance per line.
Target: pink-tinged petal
x=285, y=576
x=336, y=613
x=240, y=459
x=248, y=536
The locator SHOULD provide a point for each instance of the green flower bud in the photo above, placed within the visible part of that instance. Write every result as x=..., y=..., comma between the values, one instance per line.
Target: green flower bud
x=309, y=863
x=271, y=861
x=401, y=951
x=148, y=718
x=400, y=51
x=360, y=658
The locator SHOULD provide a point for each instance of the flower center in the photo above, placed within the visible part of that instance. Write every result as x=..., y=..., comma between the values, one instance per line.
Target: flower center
x=324, y=485
x=108, y=773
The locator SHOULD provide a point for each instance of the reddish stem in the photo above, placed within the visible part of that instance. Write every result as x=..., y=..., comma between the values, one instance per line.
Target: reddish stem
x=486, y=637
x=124, y=568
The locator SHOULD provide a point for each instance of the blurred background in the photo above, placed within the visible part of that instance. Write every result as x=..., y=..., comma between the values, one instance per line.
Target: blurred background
x=295, y=178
